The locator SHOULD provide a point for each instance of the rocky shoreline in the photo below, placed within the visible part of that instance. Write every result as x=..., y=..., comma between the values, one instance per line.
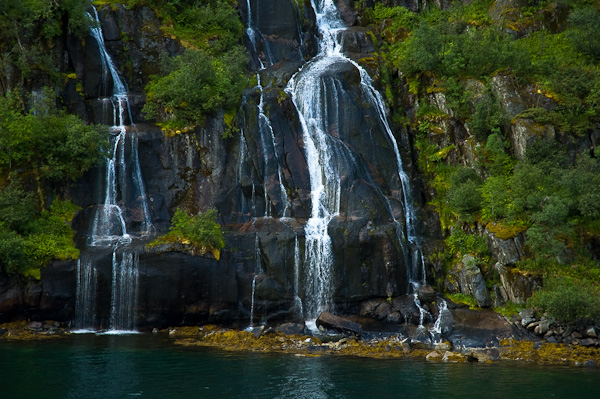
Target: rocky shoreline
x=294, y=339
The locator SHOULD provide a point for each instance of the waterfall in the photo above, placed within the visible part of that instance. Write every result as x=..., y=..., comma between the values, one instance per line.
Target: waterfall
x=258, y=270
x=109, y=225
x=124, y=292
x=252, y=33
x=124, y=195
x=316, y=98
x=297, y=262
x=85, y=297
x=269, y=146
x=271, y=167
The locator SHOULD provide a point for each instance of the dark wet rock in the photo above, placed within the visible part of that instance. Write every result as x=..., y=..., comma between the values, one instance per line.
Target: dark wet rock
x=552, y=340
x=332, y=322
x=481, y=329
x=426, y=294
x=34, y=325
x=587, y=342
x=407, y=308
x=346, y=11
x=292, y=329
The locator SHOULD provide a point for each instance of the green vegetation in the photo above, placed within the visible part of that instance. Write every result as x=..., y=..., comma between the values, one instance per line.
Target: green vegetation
x=463, y=299
x=551, y=195
x=27, y=32
x=201, y=231
x=40, y=151
x=568, y=299
x=209, y=75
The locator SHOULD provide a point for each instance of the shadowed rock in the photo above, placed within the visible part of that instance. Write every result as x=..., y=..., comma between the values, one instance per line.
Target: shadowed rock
x=332, y=322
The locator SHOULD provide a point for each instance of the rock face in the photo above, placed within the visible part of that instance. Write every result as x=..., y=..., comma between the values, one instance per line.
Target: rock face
x=467, y=279
x=259, y=182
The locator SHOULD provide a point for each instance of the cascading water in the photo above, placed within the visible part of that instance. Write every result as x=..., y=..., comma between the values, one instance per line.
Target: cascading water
x=124, y=292
x=123, y=186
x=258, y=270
x=85, y=297
x=271, y=168
x=316, y=96
x=269, y=146
x=297, y=264
x=109, y=225
x=309, y=91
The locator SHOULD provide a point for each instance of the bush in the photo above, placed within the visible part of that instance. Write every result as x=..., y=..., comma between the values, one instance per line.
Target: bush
x=38, y=239
x=464, y=195
x=196, y=84
x=567, y=299
x=201, y=230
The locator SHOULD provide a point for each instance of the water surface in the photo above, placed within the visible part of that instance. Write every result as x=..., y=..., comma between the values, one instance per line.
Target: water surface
x=144, y=366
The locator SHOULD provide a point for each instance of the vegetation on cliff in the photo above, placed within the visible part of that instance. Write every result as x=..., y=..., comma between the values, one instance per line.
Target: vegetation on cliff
x=452, y=62
x=41, y=151
x=210, y=75
x=201, y=231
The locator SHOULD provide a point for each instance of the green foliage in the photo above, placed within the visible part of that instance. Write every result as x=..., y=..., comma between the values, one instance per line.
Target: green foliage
x=209, y=75
x=27, y=31
x=509, y=309
x=17, y=207
x=196, y=84
x=464, y=196
x=463, y=299
x=568, y=299
x=56, y=145
x=460, y=243
x=201, y=230
x=583, y=33
x=38, y=238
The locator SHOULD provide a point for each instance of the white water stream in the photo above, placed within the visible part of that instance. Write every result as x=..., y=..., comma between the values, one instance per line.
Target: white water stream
x=123, y=182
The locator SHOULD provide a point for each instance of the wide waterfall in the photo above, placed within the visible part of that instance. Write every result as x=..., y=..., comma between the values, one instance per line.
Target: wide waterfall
x=320, y=99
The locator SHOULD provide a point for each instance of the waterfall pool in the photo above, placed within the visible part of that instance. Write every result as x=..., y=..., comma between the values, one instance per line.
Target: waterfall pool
x=150, y=366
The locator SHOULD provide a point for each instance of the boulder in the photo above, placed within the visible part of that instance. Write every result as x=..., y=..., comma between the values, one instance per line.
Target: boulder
x=454, y=357
x=332, y=322
x=426, y=294
x=291, y=329
x=434, y=356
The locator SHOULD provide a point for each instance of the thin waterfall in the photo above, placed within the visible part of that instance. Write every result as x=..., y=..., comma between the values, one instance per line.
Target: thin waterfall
x=124, y=191
x=109, y=224
x=85, y=297
x=258, y=270
x=267, y=136
x=297, y=264
x=312, y=93
x=124, y=292
x=253, y=32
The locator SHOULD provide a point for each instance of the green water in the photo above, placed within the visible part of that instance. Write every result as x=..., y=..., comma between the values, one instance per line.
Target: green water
x=144, y=366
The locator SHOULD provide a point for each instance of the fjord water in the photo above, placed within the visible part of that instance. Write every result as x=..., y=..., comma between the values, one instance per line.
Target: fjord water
x=91, y=367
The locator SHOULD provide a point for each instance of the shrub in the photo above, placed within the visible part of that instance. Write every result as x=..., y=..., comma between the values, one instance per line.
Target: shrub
x=201, y=231
x=567, y=299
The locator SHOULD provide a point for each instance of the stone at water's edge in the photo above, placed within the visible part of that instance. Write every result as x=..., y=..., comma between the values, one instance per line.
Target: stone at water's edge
x=332, y=322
